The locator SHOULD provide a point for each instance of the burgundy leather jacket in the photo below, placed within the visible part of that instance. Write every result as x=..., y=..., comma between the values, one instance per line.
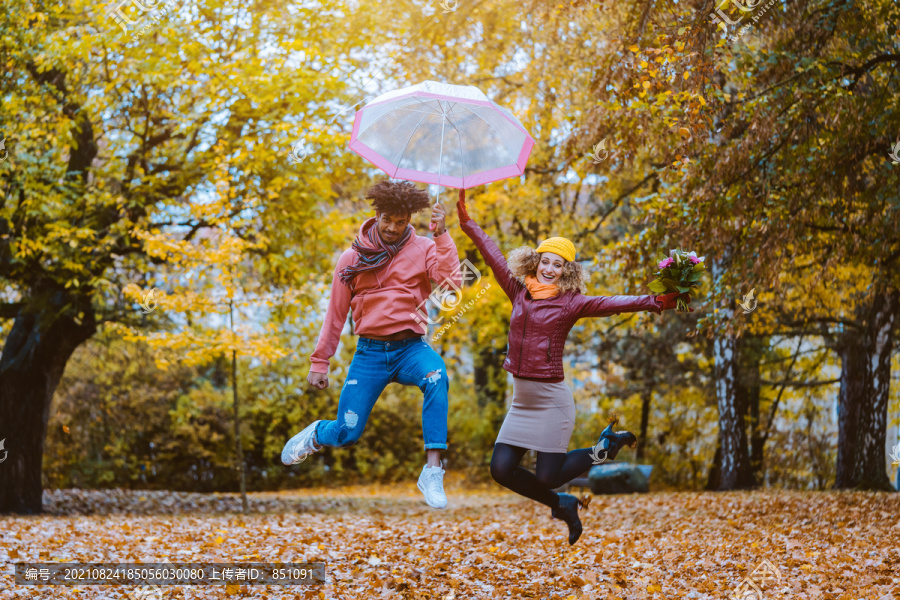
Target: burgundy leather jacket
x=538, y=328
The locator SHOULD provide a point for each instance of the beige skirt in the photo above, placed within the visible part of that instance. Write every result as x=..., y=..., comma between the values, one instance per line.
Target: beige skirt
x=541, y=417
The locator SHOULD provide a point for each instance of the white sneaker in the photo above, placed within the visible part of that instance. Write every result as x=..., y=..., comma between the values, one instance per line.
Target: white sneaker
x=431, y=484
x=300, y=446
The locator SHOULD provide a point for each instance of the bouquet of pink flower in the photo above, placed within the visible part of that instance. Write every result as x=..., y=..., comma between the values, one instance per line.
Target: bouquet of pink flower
x=680, y=272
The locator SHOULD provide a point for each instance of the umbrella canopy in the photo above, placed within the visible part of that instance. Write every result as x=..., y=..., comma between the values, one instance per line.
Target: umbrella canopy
x=450, y=135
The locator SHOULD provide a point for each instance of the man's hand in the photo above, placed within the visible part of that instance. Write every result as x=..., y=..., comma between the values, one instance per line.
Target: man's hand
x=317, y=380
x=437, y=219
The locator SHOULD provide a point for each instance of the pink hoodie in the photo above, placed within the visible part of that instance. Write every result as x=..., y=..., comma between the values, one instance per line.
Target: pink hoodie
x=384, y=300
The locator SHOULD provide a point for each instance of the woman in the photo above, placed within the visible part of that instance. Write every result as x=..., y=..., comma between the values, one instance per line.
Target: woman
x=546, y=287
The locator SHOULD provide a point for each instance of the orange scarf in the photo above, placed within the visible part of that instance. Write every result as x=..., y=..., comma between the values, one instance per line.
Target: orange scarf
x=538, y=290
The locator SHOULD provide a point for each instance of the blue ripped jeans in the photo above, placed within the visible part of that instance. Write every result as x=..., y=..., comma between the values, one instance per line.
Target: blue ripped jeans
x=376, y=364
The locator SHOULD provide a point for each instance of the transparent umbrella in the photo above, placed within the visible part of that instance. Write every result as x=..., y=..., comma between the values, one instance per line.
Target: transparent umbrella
x=443, y=134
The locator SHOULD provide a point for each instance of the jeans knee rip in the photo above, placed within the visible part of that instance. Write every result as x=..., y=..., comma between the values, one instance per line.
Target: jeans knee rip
x=434, y=376
x=351, y=418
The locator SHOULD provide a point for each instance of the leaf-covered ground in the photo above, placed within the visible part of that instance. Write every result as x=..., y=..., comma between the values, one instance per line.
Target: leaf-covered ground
x=384, y=542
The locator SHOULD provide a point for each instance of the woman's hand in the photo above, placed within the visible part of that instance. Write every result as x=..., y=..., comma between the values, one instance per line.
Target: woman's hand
x=461, y=207
x=669, y=300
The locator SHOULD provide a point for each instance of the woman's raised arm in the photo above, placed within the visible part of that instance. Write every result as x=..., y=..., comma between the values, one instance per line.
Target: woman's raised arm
x=488, y=249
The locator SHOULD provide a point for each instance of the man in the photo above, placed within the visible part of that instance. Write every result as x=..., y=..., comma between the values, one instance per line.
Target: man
x=384, y=277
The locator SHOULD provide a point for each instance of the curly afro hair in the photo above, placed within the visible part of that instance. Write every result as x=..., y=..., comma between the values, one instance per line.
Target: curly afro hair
x=397, y=197
x=524, y=261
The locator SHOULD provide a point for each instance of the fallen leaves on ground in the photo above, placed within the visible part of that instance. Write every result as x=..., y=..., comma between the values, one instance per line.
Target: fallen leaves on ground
x=384, y=542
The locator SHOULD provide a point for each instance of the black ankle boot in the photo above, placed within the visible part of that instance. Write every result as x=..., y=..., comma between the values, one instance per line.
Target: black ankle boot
x=612, y=441
x=568, y=512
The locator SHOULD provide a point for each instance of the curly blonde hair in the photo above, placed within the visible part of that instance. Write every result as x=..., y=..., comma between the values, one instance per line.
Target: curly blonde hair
x=524, y=261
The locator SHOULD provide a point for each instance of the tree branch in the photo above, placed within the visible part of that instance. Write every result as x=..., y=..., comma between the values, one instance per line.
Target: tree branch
x=864, y=68
x=801, y=383
x=787, y=374
x=615, y=204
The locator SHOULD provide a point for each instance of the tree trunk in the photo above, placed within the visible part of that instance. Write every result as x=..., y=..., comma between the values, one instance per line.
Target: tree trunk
x=646, y=398
x=751, y=350
x=33, y=360
x=714, y=478
x=873, y=433
x=851, y=395
x=238, y=447
x=863, y=399
x=734, y=465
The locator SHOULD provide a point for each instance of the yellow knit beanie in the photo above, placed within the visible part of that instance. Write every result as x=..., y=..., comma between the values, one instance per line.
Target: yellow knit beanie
x=558, y=245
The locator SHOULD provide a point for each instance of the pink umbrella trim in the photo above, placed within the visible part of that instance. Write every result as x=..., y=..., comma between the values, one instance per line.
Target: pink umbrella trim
x=446, y=180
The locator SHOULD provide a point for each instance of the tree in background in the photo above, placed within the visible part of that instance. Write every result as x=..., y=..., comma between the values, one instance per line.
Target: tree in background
x=754, y=151
x=768, y=156
x=117, y=144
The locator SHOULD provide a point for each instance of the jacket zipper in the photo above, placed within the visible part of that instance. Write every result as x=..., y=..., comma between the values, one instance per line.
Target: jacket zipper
x=524, y=327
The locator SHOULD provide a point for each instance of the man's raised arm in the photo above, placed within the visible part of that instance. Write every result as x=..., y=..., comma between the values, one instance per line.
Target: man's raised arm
x=442, y=260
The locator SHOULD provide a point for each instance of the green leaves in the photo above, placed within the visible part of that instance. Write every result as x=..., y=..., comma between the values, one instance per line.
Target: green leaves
x=658, y=287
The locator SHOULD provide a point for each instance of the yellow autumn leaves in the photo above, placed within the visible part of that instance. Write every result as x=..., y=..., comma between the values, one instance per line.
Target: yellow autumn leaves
x=493, y=544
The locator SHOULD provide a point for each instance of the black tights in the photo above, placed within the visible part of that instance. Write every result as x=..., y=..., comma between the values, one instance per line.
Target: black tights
x=553, y=470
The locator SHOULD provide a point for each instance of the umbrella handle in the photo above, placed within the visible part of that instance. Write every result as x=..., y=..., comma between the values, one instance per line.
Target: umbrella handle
x=431, y=226
x=462, y=198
